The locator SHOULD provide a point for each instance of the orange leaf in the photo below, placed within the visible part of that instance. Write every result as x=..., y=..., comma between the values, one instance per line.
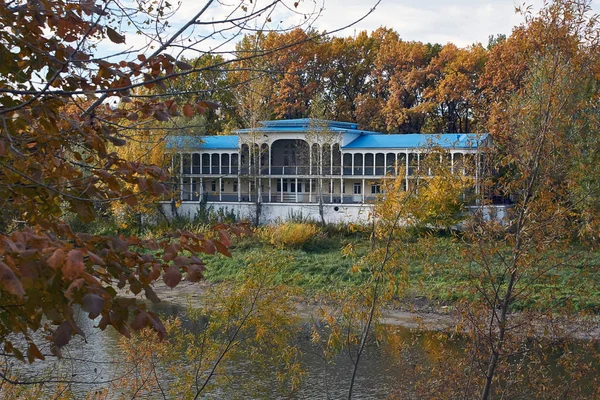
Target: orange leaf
x=33, y=352
x=73, y=267
x=57, y=259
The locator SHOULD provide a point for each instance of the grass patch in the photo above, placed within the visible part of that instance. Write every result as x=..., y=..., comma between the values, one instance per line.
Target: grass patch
x=434, y=271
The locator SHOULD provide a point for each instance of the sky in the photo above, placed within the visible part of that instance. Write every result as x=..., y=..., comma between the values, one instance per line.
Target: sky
x=462, y=22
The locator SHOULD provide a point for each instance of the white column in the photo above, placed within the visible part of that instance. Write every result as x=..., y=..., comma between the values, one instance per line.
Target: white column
x=296, y=180
x=331, y=159
x=320, y=155
x=452, y=163
x=406, y=171
x=180, y=176
x=342, y=190
x=220, y=159
x=281, y=186
x=363, y=190
x=310, y=190
x=230, y=163
x=269, y=155
x=220, y=183
x=310, y=159
x=352, y=164
x=331, y=189
x=269, y=186
x=375, y=163
x=364, y=162
x=477, y=173
x=239, y=186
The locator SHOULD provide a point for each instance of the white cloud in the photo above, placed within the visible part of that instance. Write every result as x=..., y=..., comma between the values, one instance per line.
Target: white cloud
x=462, y=22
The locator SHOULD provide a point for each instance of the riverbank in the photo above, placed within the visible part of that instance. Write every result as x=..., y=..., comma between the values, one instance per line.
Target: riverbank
x=413, y=313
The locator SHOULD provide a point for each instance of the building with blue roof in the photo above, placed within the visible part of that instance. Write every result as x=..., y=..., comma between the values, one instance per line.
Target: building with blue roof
x=286, y=167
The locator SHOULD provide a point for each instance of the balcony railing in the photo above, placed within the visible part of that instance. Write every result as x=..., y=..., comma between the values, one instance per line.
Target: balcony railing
x=299, y=170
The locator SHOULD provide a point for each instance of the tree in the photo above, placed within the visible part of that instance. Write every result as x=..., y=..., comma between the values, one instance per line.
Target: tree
x=56, y=155
x=541, y=155
x=320, y=141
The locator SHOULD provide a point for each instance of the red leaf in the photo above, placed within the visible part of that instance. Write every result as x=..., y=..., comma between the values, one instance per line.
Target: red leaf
x=161, y=116
x=188, y=111
x=157, y=325
x=172, y=277
x=62, y=335
x=76, y=284
x=10, y=282
x=140, y=321
x=93, y=304
x=180, y=261
x=118, y=245
x=96, y=259
x=194, y=273
x=183, y=65
x=114, y=36
x=209, y=104
x=151, y=295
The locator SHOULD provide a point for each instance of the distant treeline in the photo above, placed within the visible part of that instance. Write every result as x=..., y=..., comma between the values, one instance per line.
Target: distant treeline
x=376, y=79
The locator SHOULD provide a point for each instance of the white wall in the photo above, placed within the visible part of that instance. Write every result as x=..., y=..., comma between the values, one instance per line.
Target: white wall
x=333, y=213
x=272, y=212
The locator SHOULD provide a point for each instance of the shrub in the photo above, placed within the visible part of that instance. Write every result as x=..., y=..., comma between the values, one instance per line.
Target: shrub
x=289, y=234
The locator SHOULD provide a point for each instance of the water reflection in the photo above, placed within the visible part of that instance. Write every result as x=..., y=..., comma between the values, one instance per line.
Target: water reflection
x=93, y=362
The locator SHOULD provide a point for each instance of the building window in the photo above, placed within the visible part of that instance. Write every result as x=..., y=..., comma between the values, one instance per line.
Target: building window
x=213, y=186
x=375, y=189
x=357, y=188
x=222, y=186
x=299, y=187
x=234, y=187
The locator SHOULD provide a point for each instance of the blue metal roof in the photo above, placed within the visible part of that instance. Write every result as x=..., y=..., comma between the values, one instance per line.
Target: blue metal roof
x=302, y=125
x=362, y=139
x=416, y=140
x=203, y=142
x=305, y=122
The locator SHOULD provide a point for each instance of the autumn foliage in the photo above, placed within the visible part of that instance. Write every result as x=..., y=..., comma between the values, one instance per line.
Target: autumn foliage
x=57, y=141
